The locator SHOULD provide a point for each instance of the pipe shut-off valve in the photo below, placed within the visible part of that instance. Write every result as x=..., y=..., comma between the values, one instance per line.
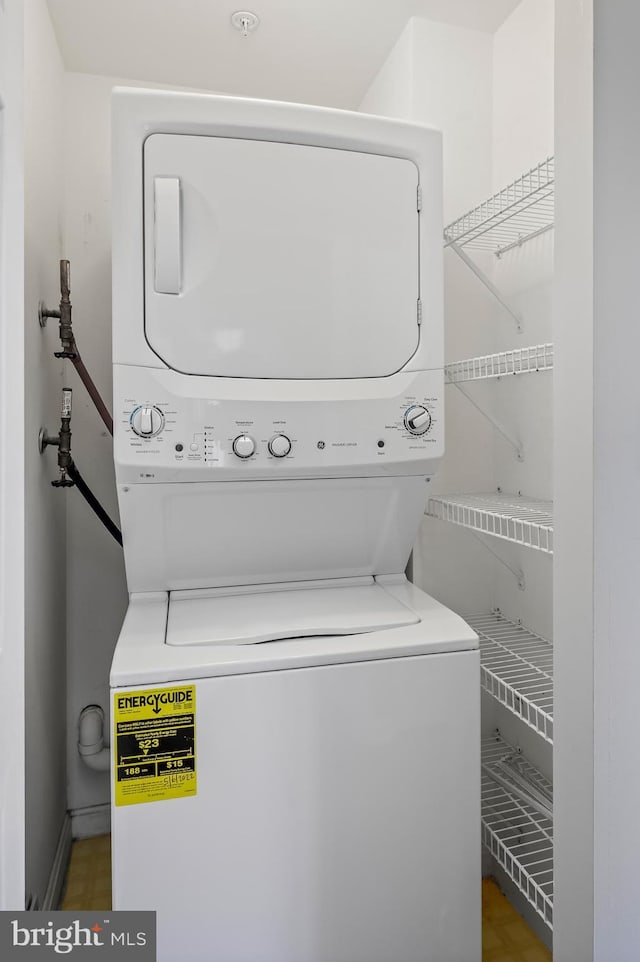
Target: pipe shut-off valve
x=62, y=441
x=63, y=314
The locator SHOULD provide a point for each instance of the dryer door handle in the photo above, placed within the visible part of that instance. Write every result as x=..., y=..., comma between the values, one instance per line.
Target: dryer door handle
x=167, y=235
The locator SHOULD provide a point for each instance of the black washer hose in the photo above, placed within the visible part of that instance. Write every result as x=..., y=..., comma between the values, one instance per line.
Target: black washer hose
x=93, y=502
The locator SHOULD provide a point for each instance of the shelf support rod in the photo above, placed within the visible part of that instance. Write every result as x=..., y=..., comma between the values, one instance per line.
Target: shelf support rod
x=523, y=240
x=487, y=283
x=517, y=573
x=516, y=445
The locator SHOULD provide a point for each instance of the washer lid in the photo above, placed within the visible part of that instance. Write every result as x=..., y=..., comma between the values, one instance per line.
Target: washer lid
x=241, y=617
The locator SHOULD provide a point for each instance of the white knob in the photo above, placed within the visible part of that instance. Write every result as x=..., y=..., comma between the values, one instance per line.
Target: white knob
x=279, y=446
x=147, y=421
x=244, y=446
x=417, y=419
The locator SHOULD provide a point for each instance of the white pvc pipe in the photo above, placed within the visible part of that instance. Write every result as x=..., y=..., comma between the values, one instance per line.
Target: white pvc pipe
x=91, y=747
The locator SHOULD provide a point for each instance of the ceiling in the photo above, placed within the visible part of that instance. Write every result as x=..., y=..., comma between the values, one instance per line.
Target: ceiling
x=313, y=51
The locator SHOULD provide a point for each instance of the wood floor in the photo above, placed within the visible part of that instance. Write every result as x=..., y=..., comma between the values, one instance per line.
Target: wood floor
x=88, y=884
x=505, y=935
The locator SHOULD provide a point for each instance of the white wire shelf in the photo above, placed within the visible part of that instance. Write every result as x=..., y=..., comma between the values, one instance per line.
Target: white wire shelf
x=517, y=670
x=511, y=217
x=518, y=834
x=512, y=517
x=524, y=360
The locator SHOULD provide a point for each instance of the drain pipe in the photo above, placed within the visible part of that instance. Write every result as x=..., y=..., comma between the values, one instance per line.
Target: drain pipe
x=93, y=751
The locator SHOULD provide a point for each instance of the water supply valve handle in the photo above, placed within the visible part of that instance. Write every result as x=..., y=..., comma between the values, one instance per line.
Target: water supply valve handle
x=63, y=482
x=61, y=440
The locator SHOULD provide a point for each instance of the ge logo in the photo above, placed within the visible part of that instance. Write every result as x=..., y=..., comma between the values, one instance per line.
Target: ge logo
x=321, y=445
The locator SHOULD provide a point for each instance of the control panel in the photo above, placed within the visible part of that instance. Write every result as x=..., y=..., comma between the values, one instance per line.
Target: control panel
x=163, y=436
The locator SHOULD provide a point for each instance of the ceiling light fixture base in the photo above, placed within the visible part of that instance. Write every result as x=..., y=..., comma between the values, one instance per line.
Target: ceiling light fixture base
x=244, y=21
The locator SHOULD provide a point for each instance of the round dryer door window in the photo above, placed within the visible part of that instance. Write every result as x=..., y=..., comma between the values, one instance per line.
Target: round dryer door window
x=273, y=260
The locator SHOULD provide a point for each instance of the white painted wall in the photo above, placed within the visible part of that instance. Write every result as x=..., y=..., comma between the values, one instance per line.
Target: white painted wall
x=45, y=542
x=391, y=92
x=573, y=494
x=12, y=586
x=452, y=82
x=616, y=341
x=523, y=90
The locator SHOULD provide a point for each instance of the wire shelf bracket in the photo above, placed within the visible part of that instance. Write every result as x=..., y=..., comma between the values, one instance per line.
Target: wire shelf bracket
x=517, y=670
x=516, y=830
x=513, y=216
x=524, y=360
x=488, y=283
x=516, y=445
x=517, y=573
x=511, y=517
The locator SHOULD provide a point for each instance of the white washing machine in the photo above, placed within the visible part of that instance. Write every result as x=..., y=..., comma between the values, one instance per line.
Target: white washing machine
x=295, y=726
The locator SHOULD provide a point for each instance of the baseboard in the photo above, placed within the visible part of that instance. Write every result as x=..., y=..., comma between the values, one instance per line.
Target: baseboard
x=55, y=885
x=91, y=821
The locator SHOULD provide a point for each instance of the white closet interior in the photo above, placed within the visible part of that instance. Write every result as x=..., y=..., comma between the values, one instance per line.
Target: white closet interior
x=486, y=544
x=517, y=663
x=492, y=95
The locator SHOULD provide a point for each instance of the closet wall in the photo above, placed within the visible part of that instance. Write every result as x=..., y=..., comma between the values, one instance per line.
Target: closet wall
x=492, y=96
x=12, y=581
x=45, y=507
x=577, y=718
x=523, y=135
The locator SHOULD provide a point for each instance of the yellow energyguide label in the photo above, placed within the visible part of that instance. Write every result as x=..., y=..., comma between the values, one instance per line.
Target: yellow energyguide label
x=155, y=744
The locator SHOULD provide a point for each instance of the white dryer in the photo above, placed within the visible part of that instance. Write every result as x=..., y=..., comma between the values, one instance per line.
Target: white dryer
x=295, y=726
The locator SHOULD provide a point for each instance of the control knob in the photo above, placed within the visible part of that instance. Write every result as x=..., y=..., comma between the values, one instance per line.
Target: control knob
x=147, y=421
x=244, y=446
x=417, y=419
x=279, y=446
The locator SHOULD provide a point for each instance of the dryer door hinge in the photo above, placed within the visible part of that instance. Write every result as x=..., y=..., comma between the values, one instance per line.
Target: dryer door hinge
x=419, y=198
x=419, y=312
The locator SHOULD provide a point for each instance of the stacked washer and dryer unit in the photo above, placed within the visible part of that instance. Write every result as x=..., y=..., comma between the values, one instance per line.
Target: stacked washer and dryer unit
x=278, y=393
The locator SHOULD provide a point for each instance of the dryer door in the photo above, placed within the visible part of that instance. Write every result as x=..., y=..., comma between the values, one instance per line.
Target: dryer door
x=272, y=260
